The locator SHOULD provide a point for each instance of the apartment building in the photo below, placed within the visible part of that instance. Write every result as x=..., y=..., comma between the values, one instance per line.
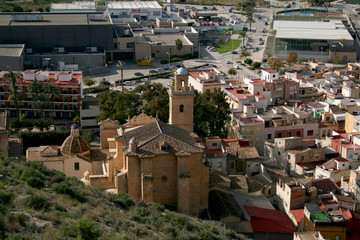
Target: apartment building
x=64, y=105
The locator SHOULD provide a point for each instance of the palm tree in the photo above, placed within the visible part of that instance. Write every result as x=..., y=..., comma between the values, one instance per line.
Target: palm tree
x=37, y=89
x=13, y=78
x=121, y=65
x=242, y=34
x=149, y=60
x=52, y=91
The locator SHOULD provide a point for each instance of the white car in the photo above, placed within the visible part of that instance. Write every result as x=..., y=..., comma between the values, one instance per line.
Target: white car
x=237, y=67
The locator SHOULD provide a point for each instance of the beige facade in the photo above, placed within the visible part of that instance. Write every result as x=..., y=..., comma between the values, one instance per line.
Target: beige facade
x=181, y=102
x=74, y=158
x=161, y=46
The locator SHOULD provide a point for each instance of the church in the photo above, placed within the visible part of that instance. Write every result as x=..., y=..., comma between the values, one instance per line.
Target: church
x=152, y=160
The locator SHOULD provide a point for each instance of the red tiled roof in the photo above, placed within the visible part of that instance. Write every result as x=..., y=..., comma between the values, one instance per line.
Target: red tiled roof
x=341, y=159
x=350, y=145
x=298, y=214
x=346, y=213
x=325, y=184
x=353, y=229
x=270, y=71
x=218, y=152
x=267, y=220
x=196, y=74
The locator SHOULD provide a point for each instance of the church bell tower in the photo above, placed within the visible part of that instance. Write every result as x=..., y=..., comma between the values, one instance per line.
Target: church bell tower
x=181, y=102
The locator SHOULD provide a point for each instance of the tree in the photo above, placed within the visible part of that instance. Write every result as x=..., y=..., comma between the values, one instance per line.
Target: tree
x=18, y=9
x=149, y=60
x=248, y=61
x=245, y=53
x=51, y=92
x=13, y=78
x=232, y=71
x=178, y=44
x=121, y=64
x=275, y=63
x=156, y=100
x=250, y=20
x=256, y=64
x=89, y=82
x=211, y=112
x=37, y=89
x=242, y=35
x=118, y=105
x=292, y=58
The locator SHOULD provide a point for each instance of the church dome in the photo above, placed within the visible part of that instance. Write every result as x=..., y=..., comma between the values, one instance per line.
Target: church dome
x=75, y=144
x=182, y=71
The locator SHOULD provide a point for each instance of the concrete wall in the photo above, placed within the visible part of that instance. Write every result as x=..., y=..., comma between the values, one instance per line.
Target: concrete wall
x=84, y=60
x=12, y=63
x=73, y=37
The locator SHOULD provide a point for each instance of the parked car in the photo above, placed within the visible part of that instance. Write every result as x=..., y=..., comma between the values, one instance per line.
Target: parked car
x=160, y=70
x=127, y=83
x=234, y=52
x=237, y=67
x=139, y=74
x=153, y=71
x=228, y=62
x=144, y=79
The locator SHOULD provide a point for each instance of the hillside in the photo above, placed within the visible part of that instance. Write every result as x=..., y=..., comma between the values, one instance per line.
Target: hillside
x=37, y=203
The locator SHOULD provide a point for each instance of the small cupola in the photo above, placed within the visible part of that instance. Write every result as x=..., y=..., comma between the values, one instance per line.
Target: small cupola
x=133, y=145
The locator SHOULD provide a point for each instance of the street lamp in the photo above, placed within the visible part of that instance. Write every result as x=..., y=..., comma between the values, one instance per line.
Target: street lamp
x=169, y=58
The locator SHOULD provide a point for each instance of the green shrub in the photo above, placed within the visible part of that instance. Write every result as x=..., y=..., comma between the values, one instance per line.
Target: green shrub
x=85, y=230
x=21, y=219
x=35, y=182
x=42, y=124
x=164, y=61
x=256, y=65
x=38, y=203
x=264, y=60
x=66, y=188
x=248, y=61
x=5, y=197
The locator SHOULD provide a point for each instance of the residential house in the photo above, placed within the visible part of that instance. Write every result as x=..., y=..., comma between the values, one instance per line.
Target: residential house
x=336, y=169
x=206, y=79
x=331, y=224
x=291, y=152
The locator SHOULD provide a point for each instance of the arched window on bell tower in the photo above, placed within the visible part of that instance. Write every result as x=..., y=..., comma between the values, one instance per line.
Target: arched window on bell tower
x=181, y=108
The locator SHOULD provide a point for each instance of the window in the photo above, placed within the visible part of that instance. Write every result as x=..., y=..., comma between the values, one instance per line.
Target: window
x=181, y=108
x=214, y=144
x=289, y=134
x=289, y=156
x=298, y=133
x=219, y=164
x=76, y=166
x=257, y=138
x=327, y=119
x=269, y=136
x=279, y=135
x=302, y=158
x=310, y=132
x=129, y=44
x=279, y=153
x=337, y=237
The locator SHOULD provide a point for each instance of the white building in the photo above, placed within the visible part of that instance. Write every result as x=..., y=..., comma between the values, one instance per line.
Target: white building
x=141, y=10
